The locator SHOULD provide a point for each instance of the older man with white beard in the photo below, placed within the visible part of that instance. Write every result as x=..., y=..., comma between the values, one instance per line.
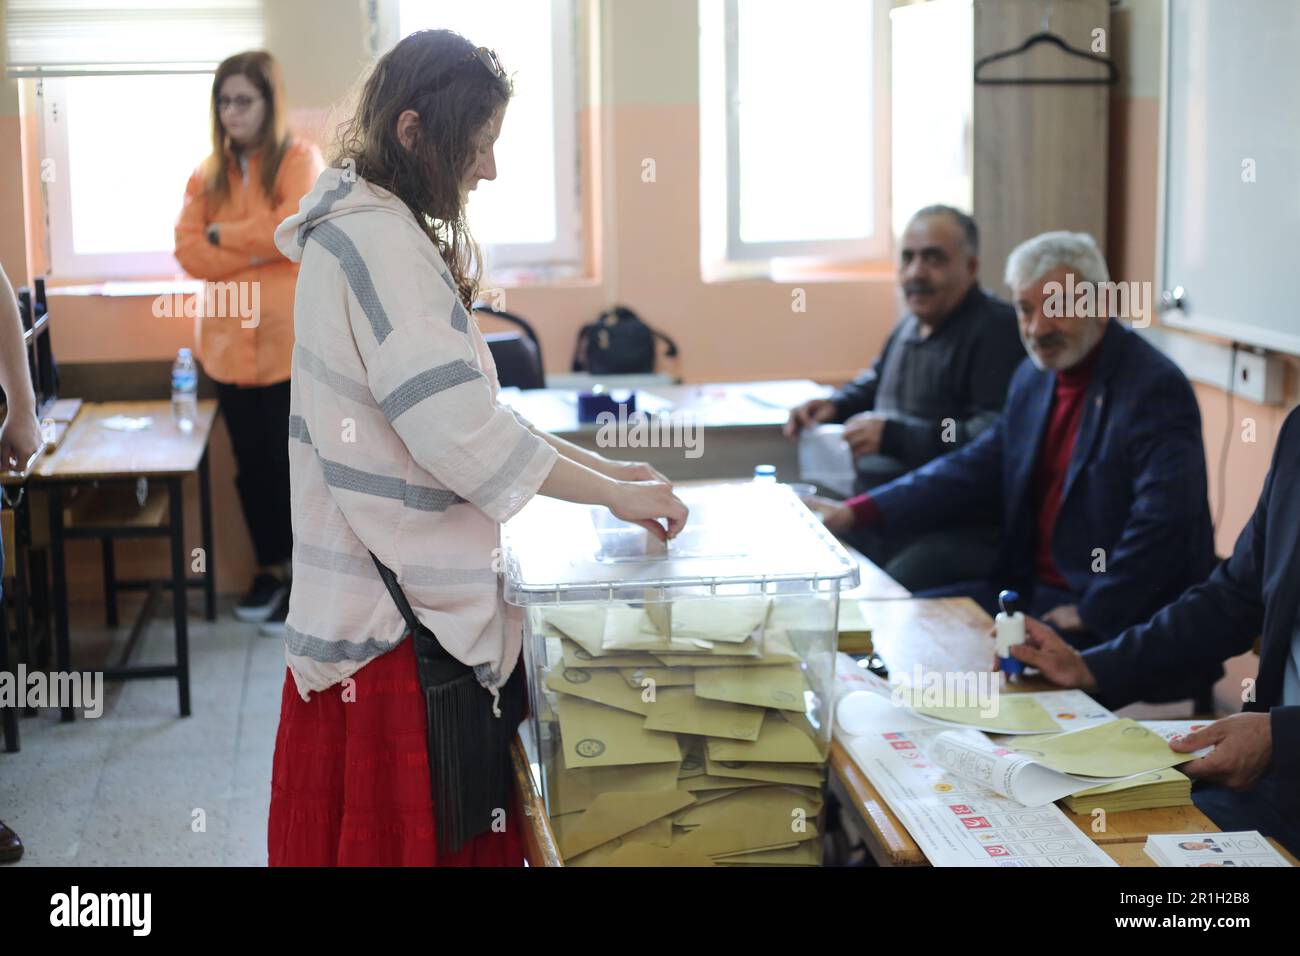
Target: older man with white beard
x=1096, y=463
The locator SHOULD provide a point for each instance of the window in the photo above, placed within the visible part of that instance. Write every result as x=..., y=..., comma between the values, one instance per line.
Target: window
x=529, y=218
x=794, y=130
x=118, y=153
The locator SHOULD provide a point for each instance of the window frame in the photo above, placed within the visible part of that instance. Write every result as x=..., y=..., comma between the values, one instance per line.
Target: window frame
x=876, y=247
x=65, y=262
x=566, y=253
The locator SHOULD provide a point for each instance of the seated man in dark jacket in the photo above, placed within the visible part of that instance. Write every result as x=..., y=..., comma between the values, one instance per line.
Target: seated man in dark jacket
x=1251, y=781
x=940, y=380
x=1096, y=461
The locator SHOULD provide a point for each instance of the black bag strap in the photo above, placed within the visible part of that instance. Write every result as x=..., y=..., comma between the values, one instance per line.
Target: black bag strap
x=672, y=346
x=403, y=605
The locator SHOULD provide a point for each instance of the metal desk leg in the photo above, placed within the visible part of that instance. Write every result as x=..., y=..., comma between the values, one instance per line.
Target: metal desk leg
x=59, y=612
x=8, y=715
x=179, y=591
x=205, y=521
x=110, y=582
x=22, y=568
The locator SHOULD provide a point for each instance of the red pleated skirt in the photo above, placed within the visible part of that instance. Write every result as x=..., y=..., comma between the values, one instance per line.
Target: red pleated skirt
x=350, y=780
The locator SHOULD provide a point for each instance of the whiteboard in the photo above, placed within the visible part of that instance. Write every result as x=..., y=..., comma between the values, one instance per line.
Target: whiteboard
x=1232, y=113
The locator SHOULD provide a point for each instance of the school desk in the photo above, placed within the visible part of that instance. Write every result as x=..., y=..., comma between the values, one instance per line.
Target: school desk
x=110, y=468
x=951, y=634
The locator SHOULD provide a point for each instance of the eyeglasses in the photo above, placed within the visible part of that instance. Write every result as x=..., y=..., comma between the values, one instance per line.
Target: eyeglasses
x=241, y=103
x=491, y=62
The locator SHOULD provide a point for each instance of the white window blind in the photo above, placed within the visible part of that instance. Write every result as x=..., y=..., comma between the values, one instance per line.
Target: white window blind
x=88, y=37
x=527, y=222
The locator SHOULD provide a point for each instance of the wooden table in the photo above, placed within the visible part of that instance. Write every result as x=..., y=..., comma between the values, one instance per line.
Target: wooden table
x=874, y=584
x=952, y=634
x=740, y=424
x=92, y=453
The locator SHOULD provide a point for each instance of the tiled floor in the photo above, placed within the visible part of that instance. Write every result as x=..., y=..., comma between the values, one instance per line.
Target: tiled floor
x=140, y=785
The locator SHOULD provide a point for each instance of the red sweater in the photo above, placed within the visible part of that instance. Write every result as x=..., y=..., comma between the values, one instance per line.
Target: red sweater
x=1054, y=463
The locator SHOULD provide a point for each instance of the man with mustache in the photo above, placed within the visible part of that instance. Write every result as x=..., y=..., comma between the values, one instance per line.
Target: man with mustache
x=1096, y=462
x=940, y=380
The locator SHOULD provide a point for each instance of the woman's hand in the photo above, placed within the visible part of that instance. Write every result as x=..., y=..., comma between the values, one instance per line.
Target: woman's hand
x=631, y=471
x=645, y=502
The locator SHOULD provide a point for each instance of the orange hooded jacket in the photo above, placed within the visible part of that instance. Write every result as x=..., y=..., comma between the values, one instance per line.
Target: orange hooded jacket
x=239, y=344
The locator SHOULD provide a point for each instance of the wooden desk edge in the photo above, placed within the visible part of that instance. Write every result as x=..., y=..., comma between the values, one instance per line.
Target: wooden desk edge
x=897, y=844
x=540, y=848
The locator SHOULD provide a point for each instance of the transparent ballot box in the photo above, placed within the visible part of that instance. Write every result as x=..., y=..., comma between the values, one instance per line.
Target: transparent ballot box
x=681, y=696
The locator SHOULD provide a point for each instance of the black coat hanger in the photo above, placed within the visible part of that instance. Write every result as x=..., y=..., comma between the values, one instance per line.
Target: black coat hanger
x=1043, y=36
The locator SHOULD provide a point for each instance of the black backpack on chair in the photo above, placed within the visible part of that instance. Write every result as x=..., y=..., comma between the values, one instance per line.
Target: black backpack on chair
x=619, y=343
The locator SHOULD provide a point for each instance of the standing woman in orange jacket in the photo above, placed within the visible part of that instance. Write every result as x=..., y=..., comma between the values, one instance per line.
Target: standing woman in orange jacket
x=254, y=179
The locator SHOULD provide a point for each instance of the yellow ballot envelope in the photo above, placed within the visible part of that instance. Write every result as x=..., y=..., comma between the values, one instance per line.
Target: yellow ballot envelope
x=728, y=620
x=1117, y=748
x=755, y=819
x=1006, y=712
x=602, y=686
x=639, y=854
x=584, y=625
x=678, y=710
x=594, y=735
x=780, y=686
x=662, y=676
x=778, y=742
x=577, y=656
x=615, y=814
x=793, y=774
x=574, y=790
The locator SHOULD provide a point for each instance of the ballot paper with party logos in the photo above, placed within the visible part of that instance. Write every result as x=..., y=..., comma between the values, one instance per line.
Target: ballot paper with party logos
x=955, y=819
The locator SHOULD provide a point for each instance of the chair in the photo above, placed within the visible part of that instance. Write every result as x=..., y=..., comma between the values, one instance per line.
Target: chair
x=518, y=357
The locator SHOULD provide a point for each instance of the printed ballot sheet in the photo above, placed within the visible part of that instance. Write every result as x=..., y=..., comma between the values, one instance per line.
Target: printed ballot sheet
x=1039, y=770
x=956, y=820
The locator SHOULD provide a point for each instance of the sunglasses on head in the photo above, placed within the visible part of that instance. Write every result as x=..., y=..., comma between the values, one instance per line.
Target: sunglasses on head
x=491, y=62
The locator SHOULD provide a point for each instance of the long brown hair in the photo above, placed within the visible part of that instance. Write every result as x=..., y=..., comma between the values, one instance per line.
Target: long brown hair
x=434, y=73
x=260, y=69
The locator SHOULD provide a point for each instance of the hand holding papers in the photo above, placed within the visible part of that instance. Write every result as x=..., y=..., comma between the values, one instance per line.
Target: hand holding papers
x=1054, y=766
x=1118, y=749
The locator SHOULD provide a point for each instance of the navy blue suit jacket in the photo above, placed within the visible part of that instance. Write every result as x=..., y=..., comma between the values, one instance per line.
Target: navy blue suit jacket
x=1255, y=592
x=1133, y=531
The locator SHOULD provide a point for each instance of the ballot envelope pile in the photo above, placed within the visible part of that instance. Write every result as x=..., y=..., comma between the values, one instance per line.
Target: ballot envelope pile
x=681, y=697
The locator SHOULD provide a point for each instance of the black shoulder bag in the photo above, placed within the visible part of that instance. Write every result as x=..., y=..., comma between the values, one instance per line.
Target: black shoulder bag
x=469, y=748
x=619, y=343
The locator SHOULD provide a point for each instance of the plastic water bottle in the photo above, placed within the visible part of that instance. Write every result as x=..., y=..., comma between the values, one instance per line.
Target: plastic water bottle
x=765, y=473
x=185, y=390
